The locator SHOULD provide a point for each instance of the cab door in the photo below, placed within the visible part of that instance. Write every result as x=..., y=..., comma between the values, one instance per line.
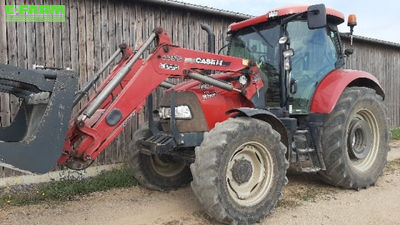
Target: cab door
x=315, y=55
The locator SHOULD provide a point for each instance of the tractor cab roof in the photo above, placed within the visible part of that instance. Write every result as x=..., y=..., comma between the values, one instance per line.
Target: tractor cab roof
x=334, y=16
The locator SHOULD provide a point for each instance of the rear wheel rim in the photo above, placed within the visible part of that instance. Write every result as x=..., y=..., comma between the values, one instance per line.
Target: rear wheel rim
x=252, y=187
x=167, y=166
x=363, y=141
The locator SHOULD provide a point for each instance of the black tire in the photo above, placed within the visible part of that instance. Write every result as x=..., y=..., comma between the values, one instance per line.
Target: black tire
x=156, y=172
x=355, y=140
x=221, y=149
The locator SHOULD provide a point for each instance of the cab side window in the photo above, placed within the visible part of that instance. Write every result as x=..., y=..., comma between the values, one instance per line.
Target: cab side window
x=315, y=56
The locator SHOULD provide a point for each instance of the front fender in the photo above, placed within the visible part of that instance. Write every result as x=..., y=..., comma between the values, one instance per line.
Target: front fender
x=331, y=87
x=266, y=116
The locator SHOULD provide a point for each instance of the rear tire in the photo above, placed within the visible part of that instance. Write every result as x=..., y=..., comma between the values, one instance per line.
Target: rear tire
x=155, y=172
x=239, y=170
x=355, y=140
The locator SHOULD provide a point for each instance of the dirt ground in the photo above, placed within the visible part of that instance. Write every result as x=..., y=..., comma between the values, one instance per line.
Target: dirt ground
x=307, y=201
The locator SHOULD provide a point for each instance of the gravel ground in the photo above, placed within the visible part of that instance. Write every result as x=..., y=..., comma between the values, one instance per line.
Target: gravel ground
x=307, y=201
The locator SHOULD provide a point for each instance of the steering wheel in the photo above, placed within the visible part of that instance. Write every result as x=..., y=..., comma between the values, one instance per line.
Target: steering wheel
x=261, y=61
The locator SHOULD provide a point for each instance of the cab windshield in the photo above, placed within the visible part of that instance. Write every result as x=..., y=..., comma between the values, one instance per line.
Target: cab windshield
x=316, y=53
x=259, y=43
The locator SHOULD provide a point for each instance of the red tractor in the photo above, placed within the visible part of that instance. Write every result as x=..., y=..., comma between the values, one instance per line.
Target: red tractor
x=280, y=96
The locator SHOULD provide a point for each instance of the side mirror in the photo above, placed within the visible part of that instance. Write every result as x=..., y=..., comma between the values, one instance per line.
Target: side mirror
x=316, y=16
x=348, y=52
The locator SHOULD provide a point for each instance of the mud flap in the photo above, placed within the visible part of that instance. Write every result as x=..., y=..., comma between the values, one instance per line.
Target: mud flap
x=34, y=141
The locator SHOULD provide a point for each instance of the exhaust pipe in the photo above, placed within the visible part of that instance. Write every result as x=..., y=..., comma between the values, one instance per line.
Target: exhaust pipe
x=211, y=37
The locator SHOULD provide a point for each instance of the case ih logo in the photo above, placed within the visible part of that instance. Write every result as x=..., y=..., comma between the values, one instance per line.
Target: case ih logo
x=205, y=61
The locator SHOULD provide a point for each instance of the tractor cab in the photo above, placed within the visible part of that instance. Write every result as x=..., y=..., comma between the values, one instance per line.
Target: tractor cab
x=294, y=48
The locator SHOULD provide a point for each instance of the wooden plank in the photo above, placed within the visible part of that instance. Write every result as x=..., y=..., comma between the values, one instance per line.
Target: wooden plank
x=39, y=44
x=49, y=41
x=104, y=36
x=30, y=44
x=112, y=46
x=74, y=42
x=118, y=22
x=3, y=35
x=139, y=26
x=21, y=41
x=97, y=35
x=10, y=103
x=73, y=31
x=5, y=110
x=15, y=103
x=58, y=54
x=82, y=41
x=126, y=22
x=65, y=37
x=132, y=24
x=89, y=39
x=12, y=56
x=146, y=13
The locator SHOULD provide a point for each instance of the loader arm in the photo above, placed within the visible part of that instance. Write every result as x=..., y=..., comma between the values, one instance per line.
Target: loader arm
x=122, y=95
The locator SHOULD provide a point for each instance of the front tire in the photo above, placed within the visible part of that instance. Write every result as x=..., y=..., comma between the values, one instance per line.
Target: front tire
x=156, y=172
x=355, y=140
x=239, y=171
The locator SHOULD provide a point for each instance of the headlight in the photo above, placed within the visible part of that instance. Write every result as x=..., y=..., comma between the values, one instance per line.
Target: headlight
x=181, y=112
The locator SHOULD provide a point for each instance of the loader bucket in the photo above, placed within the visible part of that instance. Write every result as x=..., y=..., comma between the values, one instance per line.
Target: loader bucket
x=34, y=140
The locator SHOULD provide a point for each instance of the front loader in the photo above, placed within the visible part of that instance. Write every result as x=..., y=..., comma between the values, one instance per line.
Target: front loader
x=280, y=96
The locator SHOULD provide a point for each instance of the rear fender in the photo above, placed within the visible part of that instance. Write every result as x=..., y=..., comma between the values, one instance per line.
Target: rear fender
x=263, y=115
x=331, y=87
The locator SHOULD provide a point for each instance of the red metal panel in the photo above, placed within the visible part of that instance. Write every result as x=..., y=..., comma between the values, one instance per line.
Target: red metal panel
x=282, y=12
x=331, y=87
x=214, y=101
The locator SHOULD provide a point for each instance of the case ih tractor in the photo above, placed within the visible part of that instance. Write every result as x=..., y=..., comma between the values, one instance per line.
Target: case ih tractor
x=280, y=96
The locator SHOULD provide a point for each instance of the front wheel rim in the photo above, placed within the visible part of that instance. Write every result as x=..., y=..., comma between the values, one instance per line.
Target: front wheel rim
x=363, y=141
x=249, y=174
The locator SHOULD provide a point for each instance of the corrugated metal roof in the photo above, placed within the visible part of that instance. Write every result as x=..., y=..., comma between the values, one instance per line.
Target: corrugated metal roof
x=237, y=15
x=195, y=7
x=371, y=40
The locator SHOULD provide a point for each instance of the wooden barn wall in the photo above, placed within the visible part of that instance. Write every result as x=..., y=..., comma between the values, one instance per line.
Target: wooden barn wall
x=382, y=61
x=94, y=28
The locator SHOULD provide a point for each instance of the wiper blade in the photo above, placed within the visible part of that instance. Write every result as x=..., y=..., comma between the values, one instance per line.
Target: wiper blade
x=262, y=36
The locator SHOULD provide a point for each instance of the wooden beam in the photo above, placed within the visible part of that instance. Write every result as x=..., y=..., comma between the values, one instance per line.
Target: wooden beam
x=3, y=36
